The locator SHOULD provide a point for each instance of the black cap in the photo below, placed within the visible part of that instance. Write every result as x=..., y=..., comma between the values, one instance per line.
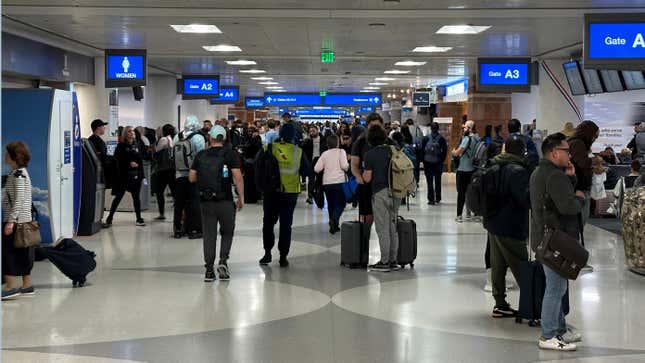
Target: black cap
x=286, y=114
x=98, y=123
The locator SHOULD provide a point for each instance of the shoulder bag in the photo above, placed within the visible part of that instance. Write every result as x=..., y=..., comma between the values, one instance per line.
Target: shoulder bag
x=27, y=234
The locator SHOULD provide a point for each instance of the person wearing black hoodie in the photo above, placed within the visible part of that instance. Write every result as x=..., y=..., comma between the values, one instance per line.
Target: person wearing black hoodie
x=435, y=149
x=508, y=229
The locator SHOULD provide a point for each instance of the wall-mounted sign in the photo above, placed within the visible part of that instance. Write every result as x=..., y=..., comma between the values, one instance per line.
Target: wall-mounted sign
x=125, y=67
x=292, y=99
x=421, y=99
x=365, y=110
x=199, y=86
x=615, y=41
x=254, y=102
x=349, y=99
x=227, y=94
x=503, y=74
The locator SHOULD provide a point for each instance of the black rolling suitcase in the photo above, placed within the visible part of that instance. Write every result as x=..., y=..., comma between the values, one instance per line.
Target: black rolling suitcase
x=407, y=230
x=354, y=244
x=70, y=258
x=532, y=286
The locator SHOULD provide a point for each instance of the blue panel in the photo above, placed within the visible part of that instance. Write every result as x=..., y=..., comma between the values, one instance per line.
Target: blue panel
x=292, y=99
x=616, y=41
x=201, y=86
x=254, y=102
x=126, y=67
x=227, y=94
x=26, y=117
x=321, y=112
x=359, y=99
x=516, y=74
x=365, y=110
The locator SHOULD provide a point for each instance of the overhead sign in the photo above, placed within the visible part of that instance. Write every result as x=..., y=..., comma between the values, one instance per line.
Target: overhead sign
x=321, y=112
x=198, y=87
x=365, y=110
x=292, y=99
x=254, y=102
x=504, y=75
x=125, y=68
x=227, y=94
x=615, y=41
x=421, y=99
x=358, y=99
x=327, y=56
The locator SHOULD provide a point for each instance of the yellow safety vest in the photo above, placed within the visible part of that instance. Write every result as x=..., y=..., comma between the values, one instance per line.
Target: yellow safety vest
x=289, y=157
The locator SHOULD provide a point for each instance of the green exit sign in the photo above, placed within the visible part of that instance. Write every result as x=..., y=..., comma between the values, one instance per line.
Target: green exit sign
x=323, y=93
x=327, y=57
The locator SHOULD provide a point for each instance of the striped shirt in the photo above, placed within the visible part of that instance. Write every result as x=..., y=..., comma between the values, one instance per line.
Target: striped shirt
x=16, y=197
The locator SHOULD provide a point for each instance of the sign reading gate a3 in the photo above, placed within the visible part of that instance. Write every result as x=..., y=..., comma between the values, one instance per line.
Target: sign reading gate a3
x=615, y=41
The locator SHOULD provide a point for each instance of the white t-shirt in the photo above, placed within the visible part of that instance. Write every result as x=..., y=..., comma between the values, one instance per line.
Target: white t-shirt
x=334, y=164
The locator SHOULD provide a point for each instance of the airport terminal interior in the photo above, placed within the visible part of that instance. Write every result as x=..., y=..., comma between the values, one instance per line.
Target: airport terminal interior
x=138, y=73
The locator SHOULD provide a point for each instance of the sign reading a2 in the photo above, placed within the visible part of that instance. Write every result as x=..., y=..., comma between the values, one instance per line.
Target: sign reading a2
x=207, y=87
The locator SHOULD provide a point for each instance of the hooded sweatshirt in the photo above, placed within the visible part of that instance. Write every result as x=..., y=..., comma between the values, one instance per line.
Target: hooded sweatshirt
x=580, y=148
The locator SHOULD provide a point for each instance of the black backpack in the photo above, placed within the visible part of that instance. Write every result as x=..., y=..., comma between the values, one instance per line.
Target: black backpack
x=432, y=150
x=267, y=171
x=211, y=181
x=479, y=155
x=481, y=195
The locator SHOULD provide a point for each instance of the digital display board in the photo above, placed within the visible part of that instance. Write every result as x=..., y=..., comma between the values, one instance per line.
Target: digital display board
x=421, y=99
x=574, y=77
x=611, y=80
x=615, y=41
x=503, y=74
x=125, y=68
x=592, y=81
x=359, y=99
x=199, y=86
x=292, y=99
x=227, y=94
x=633, y=80
x=254, y=102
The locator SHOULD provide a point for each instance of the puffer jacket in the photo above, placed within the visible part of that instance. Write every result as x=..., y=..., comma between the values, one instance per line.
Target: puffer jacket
x=580, y=148
x=553, y=202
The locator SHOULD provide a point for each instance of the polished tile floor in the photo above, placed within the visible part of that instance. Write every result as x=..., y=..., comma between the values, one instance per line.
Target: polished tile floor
x=146, y=302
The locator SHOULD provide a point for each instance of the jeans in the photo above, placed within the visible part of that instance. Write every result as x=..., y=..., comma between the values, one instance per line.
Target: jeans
x=165, y=179
x=186, y=200
x=433, y=173
x=335, y=202
x=278, y=207
x=220, y=213
x=506, y=253
x=553, y=322
x=385, y=218
x=463, y=180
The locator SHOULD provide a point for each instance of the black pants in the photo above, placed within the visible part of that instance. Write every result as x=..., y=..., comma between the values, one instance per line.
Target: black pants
x=214, y=214
x=278, y=207
x=463, y=181
x=164, y=179
x=311, y=181
x=433, y=173
x=186, y=200
x=136, y=202
x=487, y=253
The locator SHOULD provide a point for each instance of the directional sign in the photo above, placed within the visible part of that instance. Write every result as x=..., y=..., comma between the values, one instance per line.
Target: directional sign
x=201, y=86
x=365, y=110
x=504, y=73
x=254, y=102
x=227, y=94
x=359, y=99
x=292, y=99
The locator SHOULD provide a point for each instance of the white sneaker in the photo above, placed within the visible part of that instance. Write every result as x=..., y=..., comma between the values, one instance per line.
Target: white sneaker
x=587, y=269
x=571, y=336
x=459, y=219
x=556, y=343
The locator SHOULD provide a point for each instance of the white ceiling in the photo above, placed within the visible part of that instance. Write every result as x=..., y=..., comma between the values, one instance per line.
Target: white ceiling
x=285, y=36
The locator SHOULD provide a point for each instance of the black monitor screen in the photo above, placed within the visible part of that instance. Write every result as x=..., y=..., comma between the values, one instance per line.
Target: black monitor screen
x=421, y=99
x=611, y=80
x=574, y=77
x=634, y=80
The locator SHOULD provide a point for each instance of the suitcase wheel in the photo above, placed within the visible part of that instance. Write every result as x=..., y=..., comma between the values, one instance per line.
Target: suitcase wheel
x=412, y=265
x=518, y=320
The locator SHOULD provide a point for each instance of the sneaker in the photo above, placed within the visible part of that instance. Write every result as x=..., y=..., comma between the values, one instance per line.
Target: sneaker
x=587, y=269
x=503, y=312
x=380, y=266
x=556, y=343
x=140, y=223
x=28, y=291
x=394, y=266
x=309, y=201
x=194, y=235
x=571, y=336
x=459, y=219
x=161, y=218
x=223, y=272
x=210, y=275
x=476, y=219
x=284, y=262
x=430, y=203
x=266, y=259
x=106, y=225
x=10, y=294
x=177, y=235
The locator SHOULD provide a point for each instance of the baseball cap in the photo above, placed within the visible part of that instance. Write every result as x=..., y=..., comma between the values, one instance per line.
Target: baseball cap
x=98, y=123
x=217, y=131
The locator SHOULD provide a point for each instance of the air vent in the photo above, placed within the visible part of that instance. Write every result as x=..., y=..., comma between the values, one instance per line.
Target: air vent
x=377, y=25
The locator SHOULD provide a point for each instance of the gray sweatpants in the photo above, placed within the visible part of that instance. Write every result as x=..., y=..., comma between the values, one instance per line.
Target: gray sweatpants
x=220, y=213
x=386, y=210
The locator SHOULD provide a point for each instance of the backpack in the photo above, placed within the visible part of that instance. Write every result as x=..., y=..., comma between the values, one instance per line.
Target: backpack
x=409, y=152
x=479, y=155
x=481, y=195
x=402, y=181
x=267, y=171
x=432, y=150
x=210, y=175
x=183, y=152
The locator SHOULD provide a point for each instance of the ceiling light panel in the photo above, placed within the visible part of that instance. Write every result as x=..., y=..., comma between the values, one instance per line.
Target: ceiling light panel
x=409, y=63
x=462, y=29
x=252, y=71
x=378, y=84
x=431, y=49
x=372, y=88
x=396, y=71
x=242, y=62
x=197, y=29
x=262, y=78
x=268, y=83
x=384, y=79
x=222, y=48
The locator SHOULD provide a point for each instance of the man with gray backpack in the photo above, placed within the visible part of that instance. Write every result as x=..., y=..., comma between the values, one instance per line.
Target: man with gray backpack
x=435, y=150
x=186, y=145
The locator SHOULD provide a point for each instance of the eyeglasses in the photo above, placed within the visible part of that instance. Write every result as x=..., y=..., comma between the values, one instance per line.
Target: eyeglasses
x=563, y=149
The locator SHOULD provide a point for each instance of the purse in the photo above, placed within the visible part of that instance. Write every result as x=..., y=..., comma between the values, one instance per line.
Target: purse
x=562, y=252
x=27, y=234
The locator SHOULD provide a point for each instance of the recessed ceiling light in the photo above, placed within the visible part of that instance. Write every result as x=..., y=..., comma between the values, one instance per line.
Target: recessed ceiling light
x=280, y=90
x=367, y=91
x=268, y=83
x=274, y=87
x=372, y=88
x=396, y=71
x=409, y=63
x=385, y=79
x=431, y=49
x=462, y=29
x=222, y=48
x=241, y=62
x=262, y=78
x=378, y=84
x=196, y=28
x=252, y=71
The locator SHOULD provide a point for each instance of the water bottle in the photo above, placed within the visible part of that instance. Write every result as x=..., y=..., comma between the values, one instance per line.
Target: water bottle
x=225, y=171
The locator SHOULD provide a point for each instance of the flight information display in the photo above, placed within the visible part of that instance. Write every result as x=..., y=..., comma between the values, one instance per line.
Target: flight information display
x=633, y=80
x=611, y=80
x=574, y=77
x=592, y=81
